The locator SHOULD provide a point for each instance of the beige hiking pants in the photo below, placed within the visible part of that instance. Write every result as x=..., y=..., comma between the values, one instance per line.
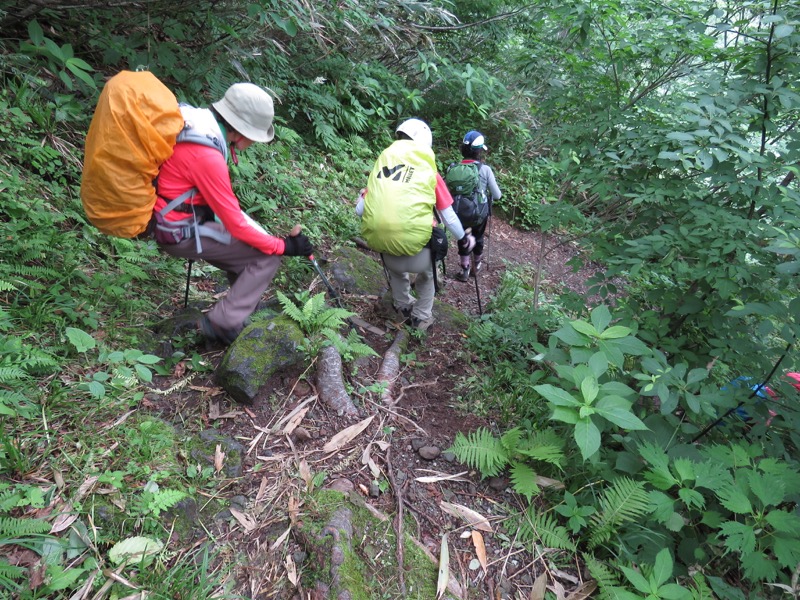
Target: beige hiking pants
x=249, y=271
x=399, y=267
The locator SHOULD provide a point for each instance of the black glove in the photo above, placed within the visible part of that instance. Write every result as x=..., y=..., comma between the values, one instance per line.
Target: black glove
x=298, y=245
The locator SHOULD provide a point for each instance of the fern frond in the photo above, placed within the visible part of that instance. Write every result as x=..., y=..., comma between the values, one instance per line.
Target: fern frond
x=604, y=575
x=313, y=307
x=510, y=439
x=524, y=479
x=334, y=318
x=15, y=403
x=165, y=499
x=9, y=574
x=548, y=454
x=625, y=501
x=544, y=529
x=38, y=271
x=701, y=590
x=7, y=286
x=8, y=500
x=480, y=450
x=12, y=527
x=11, y=374
x=290, y=309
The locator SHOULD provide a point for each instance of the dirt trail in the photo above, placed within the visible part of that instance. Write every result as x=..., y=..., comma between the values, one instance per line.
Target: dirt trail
x=428, y=414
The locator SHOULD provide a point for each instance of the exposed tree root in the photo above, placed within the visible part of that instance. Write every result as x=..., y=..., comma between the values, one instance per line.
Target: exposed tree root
x=340, y=530
x=330, y=383
x=390, y=367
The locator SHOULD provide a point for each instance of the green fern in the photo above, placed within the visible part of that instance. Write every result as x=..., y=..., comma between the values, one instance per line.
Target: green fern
x=544, y=529
x=37, y=271
x=524, y=479
x=480, y=450
x=8, y=499
x=625, y=501
x=290, y=309
x=314, y=315
x=605, y=577
x=164, y=499
x=701, y=590
x=8, y=374
x=12, y=528
x=9, y=574
x=352, y=347
x=7, y=286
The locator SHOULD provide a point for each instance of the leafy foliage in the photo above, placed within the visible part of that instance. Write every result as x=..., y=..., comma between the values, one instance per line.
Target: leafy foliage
x=544, y=529
x=322, y=324
x=625, y=501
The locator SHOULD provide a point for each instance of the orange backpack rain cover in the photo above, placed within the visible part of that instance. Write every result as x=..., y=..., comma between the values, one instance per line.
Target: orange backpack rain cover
x=133, y=131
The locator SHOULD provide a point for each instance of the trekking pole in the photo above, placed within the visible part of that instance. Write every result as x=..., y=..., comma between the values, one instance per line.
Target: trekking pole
x=486, y=245
x=188, y=280
x=477, y=288
x=337, y=299
x=756, y=390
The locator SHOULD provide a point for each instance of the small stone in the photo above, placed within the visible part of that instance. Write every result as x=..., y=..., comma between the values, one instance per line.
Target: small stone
x=400, y=477
x=302, y=389
x=239, y=503
x=374, y=489
x=417, y=443
x=301, y=434
x=449, y=456
x=498, y=483
x=342, y=485
x=299, y=556
x=429, y=452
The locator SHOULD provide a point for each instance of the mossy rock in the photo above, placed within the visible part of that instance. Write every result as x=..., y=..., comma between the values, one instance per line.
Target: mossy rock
x=449, y=318
x=265, y=347
x=355, y=272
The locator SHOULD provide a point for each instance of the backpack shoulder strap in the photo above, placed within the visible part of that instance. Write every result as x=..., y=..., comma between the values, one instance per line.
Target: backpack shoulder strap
x=200, y=127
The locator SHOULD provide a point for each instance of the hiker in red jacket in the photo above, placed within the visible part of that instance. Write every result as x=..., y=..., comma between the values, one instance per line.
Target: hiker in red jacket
x=218, y=231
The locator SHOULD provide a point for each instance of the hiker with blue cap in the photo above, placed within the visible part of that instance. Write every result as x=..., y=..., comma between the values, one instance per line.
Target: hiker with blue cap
x=474, y=189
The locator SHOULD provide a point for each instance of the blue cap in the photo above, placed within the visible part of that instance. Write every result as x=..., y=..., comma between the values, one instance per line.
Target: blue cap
x=475, y=139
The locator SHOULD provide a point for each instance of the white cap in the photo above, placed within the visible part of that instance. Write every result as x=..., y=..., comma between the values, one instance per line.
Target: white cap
x=417, y=130
x=248, y=109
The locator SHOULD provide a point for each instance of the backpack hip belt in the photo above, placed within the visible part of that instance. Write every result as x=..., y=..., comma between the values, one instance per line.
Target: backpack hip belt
x=174, y=232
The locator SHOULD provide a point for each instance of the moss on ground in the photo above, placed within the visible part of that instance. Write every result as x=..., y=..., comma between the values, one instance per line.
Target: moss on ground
x=370, y=565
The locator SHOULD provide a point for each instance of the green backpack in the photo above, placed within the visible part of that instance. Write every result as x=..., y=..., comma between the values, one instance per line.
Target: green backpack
x=469, y=203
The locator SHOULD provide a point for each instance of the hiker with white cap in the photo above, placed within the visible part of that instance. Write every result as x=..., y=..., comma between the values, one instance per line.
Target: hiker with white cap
x=397, y=218
x=220, y=232
x=473, y=205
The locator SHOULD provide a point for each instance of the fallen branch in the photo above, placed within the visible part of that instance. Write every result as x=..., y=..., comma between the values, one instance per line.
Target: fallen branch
x=389, y=370
x=330, y=383
x=398, y=523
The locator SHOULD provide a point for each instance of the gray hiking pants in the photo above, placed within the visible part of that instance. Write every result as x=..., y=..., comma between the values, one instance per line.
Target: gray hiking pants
x=399, y=267
x=249, y=271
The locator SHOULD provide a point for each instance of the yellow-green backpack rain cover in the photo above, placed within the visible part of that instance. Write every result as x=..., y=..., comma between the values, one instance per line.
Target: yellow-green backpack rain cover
x=133, y=131
x=401, y=194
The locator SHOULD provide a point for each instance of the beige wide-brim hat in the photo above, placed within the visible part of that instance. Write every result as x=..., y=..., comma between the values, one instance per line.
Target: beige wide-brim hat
x=249, y=110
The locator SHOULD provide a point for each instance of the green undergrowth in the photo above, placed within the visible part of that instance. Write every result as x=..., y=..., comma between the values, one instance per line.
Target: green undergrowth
x=80, y=442
x=665, y=479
